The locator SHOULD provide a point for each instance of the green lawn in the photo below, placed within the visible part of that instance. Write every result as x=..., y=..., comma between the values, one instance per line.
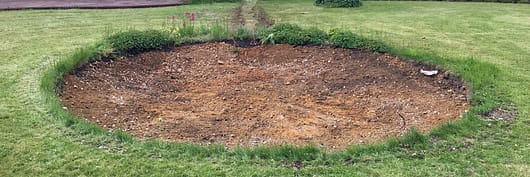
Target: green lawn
x=35, y=143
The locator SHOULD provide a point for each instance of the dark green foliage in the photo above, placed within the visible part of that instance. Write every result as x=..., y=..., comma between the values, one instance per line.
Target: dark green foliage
x=296, y=35
x=501, y=1
x=135, y=41
x=338, y=3
x=347, y=39
x=293, y=34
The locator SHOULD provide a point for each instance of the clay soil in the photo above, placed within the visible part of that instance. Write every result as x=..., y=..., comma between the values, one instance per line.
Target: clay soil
x=263, y=95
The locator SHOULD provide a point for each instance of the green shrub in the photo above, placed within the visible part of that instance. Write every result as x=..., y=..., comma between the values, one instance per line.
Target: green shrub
x=293, y=34
x=338, y=3
x=347, y=39
x=499, y=1
x=135, y=41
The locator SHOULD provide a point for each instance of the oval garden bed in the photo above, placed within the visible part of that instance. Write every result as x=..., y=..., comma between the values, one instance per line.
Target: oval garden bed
x=264, y=95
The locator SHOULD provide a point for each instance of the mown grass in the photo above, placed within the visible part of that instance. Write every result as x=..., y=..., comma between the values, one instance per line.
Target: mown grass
x=488, y=32
x=40, y=139
x=487, y=44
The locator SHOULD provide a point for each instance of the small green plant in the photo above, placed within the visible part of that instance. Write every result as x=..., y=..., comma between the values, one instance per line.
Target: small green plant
x=219, y=31
x=269, y=39
x=242, y=34
x=235, y=50
x=338, y=3
x=122, y=136
x=348, y=39
x=293, y=34
x=135, y=41
x=178, y=26
x=413, y=139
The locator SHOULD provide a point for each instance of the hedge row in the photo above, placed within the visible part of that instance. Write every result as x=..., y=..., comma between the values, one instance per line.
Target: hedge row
x=292, y=34
x=350, y=40
x=135, y=41
x=500, y=1
x=338, y=3
x=296, y=35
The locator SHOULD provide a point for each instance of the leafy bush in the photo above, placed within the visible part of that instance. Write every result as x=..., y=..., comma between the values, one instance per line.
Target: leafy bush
x=135, y=41
x=292, y=34
x=500, y=1
x=338, y=3
x=347, y=39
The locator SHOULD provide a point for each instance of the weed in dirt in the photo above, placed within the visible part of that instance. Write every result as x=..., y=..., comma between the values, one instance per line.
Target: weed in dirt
x=236, y=50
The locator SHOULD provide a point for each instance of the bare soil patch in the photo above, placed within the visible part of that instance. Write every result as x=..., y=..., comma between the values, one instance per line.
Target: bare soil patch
x=84, y=4
x=504, y=114
x=255, y=16
x=261, y=16
x=237, y=18
x=263, y=95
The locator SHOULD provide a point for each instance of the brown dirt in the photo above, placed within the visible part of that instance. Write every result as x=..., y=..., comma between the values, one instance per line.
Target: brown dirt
x=84, y=4
x=237, y=18
x=261, y=16
x=263, y=95
x=258, y=13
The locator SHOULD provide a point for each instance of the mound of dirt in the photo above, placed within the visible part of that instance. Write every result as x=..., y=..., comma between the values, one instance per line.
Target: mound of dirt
x=263, y=95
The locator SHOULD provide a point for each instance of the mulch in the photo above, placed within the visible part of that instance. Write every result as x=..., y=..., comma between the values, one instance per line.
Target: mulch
x=85, y=4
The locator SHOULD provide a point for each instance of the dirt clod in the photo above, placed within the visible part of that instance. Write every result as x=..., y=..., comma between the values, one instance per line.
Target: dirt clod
x=263, y=95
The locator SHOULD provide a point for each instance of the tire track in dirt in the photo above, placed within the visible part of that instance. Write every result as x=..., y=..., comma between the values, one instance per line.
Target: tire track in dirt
x=250, y=16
